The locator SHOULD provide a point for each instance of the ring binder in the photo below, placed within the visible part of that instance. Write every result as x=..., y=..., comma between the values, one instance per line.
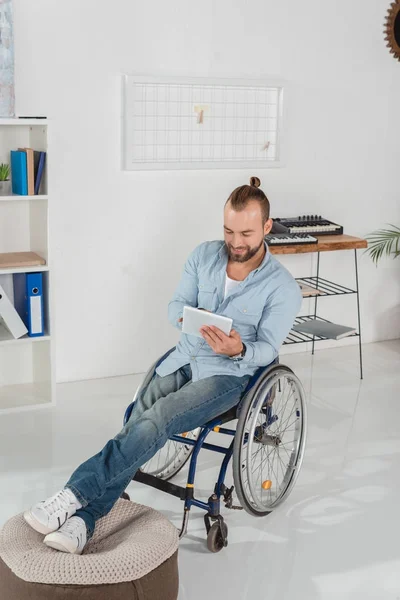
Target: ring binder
x=28, y=296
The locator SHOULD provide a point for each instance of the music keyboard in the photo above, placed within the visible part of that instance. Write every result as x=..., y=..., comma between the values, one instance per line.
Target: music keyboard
x=311, y=224
x=284, y=239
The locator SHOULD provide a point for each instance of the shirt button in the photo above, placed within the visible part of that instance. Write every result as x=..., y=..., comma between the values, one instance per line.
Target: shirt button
x=245, y=310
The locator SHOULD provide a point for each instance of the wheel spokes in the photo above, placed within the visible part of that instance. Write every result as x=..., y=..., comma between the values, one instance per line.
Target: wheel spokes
x=270, y=443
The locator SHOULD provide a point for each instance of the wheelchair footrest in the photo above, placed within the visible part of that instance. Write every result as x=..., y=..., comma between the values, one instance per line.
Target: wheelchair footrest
x=160, y=484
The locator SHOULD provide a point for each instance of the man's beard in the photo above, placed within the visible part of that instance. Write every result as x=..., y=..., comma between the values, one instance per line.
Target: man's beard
x=247, y=255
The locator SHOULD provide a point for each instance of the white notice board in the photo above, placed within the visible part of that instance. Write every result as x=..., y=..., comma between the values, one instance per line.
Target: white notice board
x=187, y=123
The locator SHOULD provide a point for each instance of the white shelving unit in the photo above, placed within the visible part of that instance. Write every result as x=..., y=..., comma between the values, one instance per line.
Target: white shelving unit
x=16, y=198
x=27, y=367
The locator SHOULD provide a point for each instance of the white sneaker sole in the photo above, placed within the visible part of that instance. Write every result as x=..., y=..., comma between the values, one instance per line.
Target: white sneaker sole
x=37, y=525
x=59, y=543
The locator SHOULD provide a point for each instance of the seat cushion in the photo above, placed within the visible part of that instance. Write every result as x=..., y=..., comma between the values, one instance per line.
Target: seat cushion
x=128, y=545
x=160, y=584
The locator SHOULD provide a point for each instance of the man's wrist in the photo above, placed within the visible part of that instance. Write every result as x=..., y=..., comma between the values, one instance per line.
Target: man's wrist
x=240, y=354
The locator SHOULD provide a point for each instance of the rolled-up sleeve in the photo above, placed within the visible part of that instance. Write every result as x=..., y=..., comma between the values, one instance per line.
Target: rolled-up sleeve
x=277, y=319
x=187, y=290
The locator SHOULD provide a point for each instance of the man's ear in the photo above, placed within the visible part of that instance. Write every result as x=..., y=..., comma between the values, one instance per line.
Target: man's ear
x=268, y=226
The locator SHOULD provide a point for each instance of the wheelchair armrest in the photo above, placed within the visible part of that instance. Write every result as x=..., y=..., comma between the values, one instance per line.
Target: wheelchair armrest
x=257, y=374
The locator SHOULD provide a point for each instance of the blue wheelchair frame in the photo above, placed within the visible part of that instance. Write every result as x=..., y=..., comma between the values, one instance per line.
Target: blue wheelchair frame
x=212, y=507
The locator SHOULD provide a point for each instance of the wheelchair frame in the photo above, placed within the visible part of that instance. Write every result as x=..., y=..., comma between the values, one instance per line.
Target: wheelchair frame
x=216, y=532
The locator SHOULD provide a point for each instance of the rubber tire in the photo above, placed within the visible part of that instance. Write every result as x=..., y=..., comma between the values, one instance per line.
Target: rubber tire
x=146, y=380
x=236, y=467
x=214, y=537
x=180, y=466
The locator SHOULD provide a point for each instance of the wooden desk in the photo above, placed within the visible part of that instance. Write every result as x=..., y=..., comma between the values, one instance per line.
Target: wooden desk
x=326, y=243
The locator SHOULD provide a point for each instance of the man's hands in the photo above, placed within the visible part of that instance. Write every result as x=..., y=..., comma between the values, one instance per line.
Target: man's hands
x=230, y=345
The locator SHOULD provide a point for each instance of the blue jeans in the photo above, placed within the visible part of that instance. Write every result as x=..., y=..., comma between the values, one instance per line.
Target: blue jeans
x=167, y=406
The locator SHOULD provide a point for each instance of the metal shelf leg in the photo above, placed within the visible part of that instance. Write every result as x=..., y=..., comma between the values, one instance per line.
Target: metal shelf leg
x=315, y=303
x=358, y=311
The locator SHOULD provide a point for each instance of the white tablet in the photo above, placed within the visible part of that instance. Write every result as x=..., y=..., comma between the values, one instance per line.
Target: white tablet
x=194, y=318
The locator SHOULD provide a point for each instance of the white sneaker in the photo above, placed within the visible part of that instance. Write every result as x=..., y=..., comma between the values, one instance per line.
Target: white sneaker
x=71, y=537
x=49, y=515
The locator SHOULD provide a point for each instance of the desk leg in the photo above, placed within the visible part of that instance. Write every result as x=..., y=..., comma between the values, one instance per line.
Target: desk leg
x=358, y=310
x=315, y=302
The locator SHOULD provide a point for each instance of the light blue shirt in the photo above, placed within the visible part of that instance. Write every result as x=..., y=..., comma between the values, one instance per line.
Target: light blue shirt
x=263, y=308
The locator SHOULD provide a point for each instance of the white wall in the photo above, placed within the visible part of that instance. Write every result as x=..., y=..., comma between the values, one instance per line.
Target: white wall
x=119, y=239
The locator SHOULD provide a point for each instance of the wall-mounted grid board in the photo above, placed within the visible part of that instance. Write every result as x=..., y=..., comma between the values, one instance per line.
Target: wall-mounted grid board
x=201, y=124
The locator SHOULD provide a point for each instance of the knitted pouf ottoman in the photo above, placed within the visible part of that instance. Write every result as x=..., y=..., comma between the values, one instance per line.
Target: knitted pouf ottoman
x=132, y=554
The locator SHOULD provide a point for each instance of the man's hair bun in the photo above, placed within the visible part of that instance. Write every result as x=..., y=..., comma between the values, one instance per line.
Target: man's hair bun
x=255, y=182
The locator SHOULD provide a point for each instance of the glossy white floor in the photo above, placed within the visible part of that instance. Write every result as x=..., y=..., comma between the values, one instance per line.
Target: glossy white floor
x=337, y=536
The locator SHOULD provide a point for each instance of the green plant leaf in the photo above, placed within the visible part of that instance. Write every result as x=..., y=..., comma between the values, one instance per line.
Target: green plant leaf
x=384, y=242
x=4, y=172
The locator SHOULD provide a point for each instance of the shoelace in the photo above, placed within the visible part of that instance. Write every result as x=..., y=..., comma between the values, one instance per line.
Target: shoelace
x=70, y=527
x=57, y=502
x=74, y=531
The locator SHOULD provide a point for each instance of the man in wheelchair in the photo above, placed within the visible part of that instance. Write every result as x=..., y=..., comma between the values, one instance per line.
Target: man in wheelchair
x=200, y=379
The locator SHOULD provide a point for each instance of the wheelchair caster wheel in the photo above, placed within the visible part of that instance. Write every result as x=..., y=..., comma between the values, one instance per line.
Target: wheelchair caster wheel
x=125, y=496
x=217, y=537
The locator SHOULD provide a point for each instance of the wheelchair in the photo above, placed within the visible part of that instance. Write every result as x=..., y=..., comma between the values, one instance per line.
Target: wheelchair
x=267, y=450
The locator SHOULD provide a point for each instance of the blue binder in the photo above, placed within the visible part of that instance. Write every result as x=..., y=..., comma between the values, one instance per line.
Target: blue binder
x=28, y=300
x=19, y=173
x=39, y=174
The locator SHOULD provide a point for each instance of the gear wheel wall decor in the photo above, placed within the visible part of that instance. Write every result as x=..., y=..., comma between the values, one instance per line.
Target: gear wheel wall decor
x=392, y=29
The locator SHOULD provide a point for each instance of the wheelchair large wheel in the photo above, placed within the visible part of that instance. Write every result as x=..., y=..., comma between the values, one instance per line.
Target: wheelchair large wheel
x=269, y=441
x=170, y=459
